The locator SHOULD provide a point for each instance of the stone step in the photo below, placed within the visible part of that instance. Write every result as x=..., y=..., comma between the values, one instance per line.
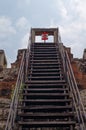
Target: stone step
x=40, y=102
x=38, y=124
x=46, y=90
x=45, y=78
x=41, y=43
x=37, y=85
x=46, y=108
x=44, y=58
x=45, y=70
x=44, y=55
x=44, y=52
x=40, y=115
x=46, y=82
x=45, y=61
x=45, y=95
x=43, y=64
x=46, y=74
x=43, y=47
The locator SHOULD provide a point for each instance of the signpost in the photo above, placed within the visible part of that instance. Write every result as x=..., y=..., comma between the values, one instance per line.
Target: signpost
x=44, y=36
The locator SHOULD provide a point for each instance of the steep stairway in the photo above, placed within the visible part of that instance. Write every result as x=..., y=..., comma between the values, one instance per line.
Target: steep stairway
x=46, y=103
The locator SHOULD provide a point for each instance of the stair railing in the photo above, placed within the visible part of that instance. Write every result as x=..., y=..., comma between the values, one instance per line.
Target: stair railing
x=27, y=58
x=77, y=102
x=10, y=125
x=14, y=103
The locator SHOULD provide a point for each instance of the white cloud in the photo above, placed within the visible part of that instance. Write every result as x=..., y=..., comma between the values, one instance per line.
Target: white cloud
x=27, y=2
x=22, y=23
x=73, y=30
x=72, y=36
x=23, y=3
x=52, y=24
x=6, y=28
x=68, y=10
x=72, y=23
x=60, y=8
x=68, y=15
x=63, y=10
x=81, y=8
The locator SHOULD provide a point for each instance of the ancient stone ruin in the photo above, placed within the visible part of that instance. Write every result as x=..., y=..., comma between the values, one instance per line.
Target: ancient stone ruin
x=8, y=77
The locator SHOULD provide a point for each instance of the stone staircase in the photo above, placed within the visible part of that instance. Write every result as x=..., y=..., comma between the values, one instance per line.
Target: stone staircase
x=46, y=103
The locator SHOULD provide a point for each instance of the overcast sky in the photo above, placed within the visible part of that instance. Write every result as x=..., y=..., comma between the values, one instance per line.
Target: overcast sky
x=18, y=16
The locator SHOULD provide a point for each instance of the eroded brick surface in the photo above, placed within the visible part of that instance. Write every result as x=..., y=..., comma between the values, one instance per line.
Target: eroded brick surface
x=8, y=77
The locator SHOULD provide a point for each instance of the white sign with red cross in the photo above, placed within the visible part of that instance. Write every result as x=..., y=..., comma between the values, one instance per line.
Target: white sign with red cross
x=44, y=36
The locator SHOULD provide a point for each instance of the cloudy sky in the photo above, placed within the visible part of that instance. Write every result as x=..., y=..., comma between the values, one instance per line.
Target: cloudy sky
x=18, y=16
